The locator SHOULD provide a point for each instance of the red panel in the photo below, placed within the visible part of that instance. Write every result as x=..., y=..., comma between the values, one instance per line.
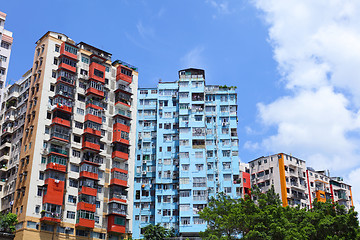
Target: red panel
x=117, y=133
x=67, y=67
x=89, y=175
x=112, y=227
x=61, y=121
x=115, y=181
x=90, y=117
x=86, y=206
x=95, y=92
x=55, y=192
x=121, y=76
x=64, y=108
x=118, y=154
x=117, y=200
x=88, y=191
x=93, y=106
x=49, y=219
x=247, y=177
x=91, y=146
x=119, y=170
x=126, y=105
x=63, y=52
x=56, y=166
x=87, y=223
x=59, y=154
x=99, y=67
x=92, y=131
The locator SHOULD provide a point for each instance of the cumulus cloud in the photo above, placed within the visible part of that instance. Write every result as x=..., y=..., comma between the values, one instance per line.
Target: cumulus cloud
x=317, y=47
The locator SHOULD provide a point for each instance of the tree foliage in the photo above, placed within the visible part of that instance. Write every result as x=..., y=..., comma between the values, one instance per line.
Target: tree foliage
x=7, y=222
x=262, y=217
x=157, y=232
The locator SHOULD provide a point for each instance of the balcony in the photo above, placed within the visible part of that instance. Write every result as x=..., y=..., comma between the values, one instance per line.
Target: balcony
x=95, y=92
x=86, y=206
x=93, y=118
x=63, y=108
x=67, y=67
x=59, y=138
x=123, y=113
x=90, y=146
x=50, y=217
x=55, y=191
x=86, y=223
x=123, y=89
x=94, y=104
x=66, y=46
x=120, y=155
x=65, y=80
x=60, y=121
x=117, y=197
x=97, y=72
x=122, y=102
x=116, y=228
x=58, y=151
x=91, y=175
x=88, y=191
x=124, y=74
x=56, y=167
x=92, y=132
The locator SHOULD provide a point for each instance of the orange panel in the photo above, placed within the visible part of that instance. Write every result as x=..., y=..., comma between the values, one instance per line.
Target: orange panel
x=86, y=206
x=91, y=146
x=64, y=108
x=119, y=170
x=126, y=105
x=50, y=219
x=122, y=127
x=320, y=195
x=283, y=180
x=115, y=181
x=92, y=131
x=117, y=200
x=118, y=154
x=56, y=166
x=55, y=191
x=93, y=106
x=63, y=52
x=90, y=117
x=99, y=67
x=89, y=175
x=95, y=92
x=61, y=121
x=112, y=227
x=87, y=223
x=88, y=191
x=67, y=67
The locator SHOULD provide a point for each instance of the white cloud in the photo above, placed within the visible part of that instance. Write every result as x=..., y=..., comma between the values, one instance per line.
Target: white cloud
x=145, y=31
x=221, y=6
x=317, y=47
x=193, y=58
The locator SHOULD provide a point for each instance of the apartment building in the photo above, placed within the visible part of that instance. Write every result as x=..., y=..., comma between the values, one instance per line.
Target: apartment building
x=13, y=111
x=187, y=151
x=244, y=181
x=75, y=173
x=297, y=184
x=6, y=41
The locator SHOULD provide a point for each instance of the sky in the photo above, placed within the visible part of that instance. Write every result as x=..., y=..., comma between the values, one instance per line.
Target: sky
x=295, y=63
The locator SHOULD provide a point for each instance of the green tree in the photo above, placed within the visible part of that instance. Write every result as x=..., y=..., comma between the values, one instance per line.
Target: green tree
x=7, y=222
x=262, y=217
x=157, y=232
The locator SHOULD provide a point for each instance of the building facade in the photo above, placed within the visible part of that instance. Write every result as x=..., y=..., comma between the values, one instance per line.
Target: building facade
x=297, y=184
x=13, y=112
x=75, y=173
x=187, y=151
x=6, y=41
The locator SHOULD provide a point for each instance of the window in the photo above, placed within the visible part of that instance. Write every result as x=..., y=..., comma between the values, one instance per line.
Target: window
x=72, y=199
x=73, y=183
x=53, y=74
x=85, y=59
x=80, y=111
x=52, y=88
x=83, y=72
x=75, y=153
x=82, y=233
x=74, y=168
x=169, y=149
x=41, y=175
x=77, y=139
x=55, y=61
x=81, y=98
x=5, y=45
x=57, y=48
x=39, y=191
x=78, y=125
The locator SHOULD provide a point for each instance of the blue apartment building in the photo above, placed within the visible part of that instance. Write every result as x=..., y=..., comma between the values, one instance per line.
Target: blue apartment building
x=187, y=151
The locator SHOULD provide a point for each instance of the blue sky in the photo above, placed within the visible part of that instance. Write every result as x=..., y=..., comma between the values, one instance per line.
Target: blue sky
x=296, y=70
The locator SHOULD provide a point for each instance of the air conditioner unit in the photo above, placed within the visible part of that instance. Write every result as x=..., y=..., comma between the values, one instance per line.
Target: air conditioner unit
x=160, y=108
x=143, y=172
x=67, y=228
x=224, y=124
x=144, y=161
x=217, y=178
